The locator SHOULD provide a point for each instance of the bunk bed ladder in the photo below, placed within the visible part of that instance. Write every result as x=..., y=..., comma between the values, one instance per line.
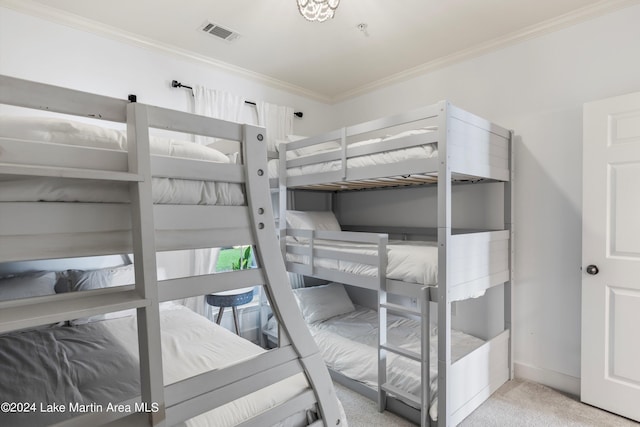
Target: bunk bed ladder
x=423, y=311
x=293, y=330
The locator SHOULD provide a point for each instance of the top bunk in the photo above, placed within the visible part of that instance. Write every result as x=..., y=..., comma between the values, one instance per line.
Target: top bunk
x=412, y=148
x=65, y=178
x=112, y=179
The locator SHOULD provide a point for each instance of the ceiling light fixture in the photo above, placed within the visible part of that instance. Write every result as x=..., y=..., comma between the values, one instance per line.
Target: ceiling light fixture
x=318, y=10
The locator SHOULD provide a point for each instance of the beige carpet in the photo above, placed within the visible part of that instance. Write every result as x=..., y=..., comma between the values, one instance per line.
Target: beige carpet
x=363, y=412
x=517, y=403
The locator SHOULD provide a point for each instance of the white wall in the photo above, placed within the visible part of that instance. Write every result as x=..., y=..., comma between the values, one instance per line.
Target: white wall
x=35, y=49
x=537, y=88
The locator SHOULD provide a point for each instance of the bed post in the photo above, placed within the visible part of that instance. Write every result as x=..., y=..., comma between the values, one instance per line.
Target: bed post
x=425, y=351
x=444, y=240
x=271, y=260
x=382, y=321
x=144, y=252
x=508, y=225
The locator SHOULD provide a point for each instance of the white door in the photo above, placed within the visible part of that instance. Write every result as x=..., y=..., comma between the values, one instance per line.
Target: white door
x=611, y=256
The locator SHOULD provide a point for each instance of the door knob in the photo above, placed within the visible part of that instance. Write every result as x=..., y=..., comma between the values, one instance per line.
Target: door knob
x=592, y=269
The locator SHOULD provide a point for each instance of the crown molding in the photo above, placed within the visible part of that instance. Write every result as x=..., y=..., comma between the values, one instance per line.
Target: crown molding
x=572, y=18
x=577, y=16
x=52, y=14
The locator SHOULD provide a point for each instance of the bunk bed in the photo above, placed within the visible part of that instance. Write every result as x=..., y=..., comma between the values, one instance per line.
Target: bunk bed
x=107, y=193
x=439, y=145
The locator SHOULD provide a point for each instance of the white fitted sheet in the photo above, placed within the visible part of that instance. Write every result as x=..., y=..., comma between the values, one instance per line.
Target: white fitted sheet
x=98, y=362
x=407, y=261
x=349, y=345
x=191, y=345
x=425, y=151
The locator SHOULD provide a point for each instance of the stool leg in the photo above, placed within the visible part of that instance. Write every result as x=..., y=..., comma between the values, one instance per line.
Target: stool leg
x=220, y=313
x=235, y=319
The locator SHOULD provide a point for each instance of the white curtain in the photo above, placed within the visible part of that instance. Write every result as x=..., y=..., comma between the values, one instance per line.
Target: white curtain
x=276, y=119
x=217, y=104
x=220, y=105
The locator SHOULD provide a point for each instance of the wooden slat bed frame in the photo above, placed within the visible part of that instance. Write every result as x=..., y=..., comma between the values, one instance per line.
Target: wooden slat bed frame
x=57, y=230
x=470, y=149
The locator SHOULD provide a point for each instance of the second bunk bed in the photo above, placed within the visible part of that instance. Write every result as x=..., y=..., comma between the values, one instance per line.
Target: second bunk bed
x=104, y=346
x=440, y=145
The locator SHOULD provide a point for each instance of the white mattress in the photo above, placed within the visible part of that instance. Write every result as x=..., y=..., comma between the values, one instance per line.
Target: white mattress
x=191, y=345
x=388, y=157
x=98, y=363
x=407, y=261
x=167, y=191
x=349, y=345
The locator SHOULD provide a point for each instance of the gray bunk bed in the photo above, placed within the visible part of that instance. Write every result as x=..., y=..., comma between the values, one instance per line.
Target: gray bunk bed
x=41, y=230
x=444, y=146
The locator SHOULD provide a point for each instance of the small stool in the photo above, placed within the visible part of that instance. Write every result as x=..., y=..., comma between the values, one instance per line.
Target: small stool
x=229, y=300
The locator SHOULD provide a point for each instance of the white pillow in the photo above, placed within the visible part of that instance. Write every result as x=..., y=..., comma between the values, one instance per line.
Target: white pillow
x=185, y=149
x=306, y=151
x=69, y=132
x=84, y=280
x=27, y=285
x=61, y=131
x=291, y=154
x=319, y=303
x=225, y=146
x=273, y=145
x=313, y=220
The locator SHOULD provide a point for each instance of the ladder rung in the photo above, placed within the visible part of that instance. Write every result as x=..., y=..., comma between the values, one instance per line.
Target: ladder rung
x=396, y=308
x=403, y=395
x=63, y=172
x=36, y=311
x=402, y=352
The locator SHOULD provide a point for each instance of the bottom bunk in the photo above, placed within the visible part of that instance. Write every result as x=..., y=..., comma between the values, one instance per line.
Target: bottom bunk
x=315, y=245
x=90, y=365
x=347, y=335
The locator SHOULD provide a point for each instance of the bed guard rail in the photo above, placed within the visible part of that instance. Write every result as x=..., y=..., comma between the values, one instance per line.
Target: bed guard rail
x=320, y=253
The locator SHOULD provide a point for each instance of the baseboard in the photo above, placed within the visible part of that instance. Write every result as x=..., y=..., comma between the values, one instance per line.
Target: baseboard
x=556, y=380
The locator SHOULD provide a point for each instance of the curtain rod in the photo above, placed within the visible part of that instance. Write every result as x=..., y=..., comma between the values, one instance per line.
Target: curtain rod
x=175, y=83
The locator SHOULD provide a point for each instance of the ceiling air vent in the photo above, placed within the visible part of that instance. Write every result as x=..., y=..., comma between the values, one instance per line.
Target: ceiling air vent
x=219, y=32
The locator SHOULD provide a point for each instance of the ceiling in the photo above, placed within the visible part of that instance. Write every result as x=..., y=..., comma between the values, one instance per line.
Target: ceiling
x=333, y=60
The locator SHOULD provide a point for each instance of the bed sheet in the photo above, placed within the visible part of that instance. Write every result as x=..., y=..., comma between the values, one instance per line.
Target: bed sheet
x=387, y=157
x=98, y=363
x=407, y=261
x=349, y=345
x=67, y=132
